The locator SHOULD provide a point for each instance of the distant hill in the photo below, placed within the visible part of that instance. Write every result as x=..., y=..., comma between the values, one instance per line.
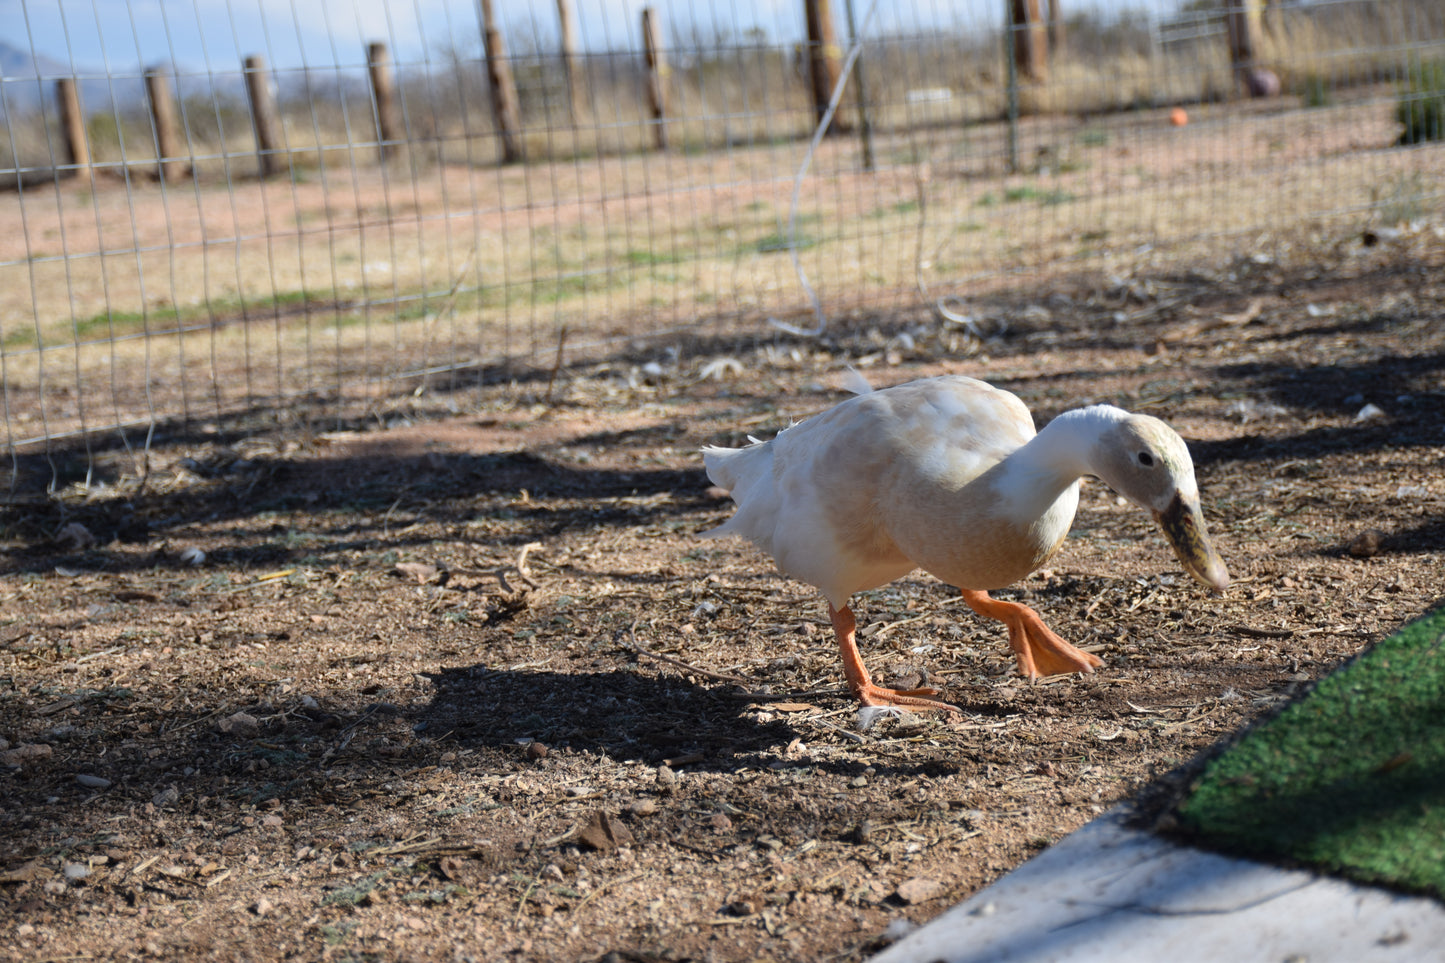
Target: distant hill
x=30, y=81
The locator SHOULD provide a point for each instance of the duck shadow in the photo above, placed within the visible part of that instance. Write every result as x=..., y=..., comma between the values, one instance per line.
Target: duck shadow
x=627, y=716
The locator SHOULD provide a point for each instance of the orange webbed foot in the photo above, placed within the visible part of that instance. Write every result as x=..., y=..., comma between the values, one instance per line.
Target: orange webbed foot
x=862, y=685
x=876, y=695
x=1039, y=650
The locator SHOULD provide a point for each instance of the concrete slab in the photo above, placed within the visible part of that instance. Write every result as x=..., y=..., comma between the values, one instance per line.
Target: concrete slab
x=1110, y=893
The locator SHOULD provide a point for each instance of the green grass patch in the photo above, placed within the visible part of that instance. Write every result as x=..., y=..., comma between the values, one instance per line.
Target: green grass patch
x=356, y=892
x=1315, y=92
x=1028, y=192
x=901, y=207
x=648, y=258
x=112, y=324
x=778, y=241
x=1421, y=105
x=1349, y=779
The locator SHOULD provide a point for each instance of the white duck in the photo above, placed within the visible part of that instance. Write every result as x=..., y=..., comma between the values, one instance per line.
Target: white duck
x=948, y=475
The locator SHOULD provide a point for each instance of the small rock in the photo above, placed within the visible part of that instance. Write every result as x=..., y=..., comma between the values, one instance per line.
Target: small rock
x=166, y=797
x=898, y=928
x=273, y=821
x=604, y=832
x=920, y=889
x=193, y=556
x=1366, y=544
x=21, y=874
x=92, y=782
x=76, y=871
x=666, y=779
x=643, y=807
x=241, y=724
x=263, y=907
x=419, y=571
x=25, y=753
x=76, y=536
x=1370, y=413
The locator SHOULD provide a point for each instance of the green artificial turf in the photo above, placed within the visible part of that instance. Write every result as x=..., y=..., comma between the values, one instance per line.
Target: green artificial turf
x=1350, y=779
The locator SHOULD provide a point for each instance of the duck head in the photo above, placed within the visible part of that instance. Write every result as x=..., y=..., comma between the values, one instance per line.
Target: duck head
x=1144, y=460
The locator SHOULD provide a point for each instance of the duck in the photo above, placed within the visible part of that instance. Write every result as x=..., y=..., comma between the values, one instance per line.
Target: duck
x=948, y=475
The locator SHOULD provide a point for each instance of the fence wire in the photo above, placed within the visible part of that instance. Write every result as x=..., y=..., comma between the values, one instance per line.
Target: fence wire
x=238, y=212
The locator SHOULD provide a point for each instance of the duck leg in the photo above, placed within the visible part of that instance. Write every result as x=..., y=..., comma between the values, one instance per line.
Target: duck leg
x=844, y=627
x=1039, y=651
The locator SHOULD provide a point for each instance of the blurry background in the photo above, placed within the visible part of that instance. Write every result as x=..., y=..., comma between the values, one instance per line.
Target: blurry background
x=229, y=215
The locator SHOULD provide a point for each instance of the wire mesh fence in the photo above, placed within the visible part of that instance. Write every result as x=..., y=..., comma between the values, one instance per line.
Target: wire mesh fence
x=268, y=210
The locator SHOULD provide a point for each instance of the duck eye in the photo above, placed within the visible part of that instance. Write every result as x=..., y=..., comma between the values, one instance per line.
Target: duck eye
x=1146, y=459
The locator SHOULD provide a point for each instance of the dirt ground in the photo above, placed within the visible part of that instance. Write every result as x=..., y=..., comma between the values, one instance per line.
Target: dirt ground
x=471, y=688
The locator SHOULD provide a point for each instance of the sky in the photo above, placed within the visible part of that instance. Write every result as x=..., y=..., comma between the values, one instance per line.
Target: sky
x=214, y=35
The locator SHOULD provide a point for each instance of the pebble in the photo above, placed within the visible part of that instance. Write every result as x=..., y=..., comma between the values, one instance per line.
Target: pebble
x=920, y=889
x=646, y=806
x=241, y=724
x=92, y=782
x=26, y=752
x=1366, y=544
x=898, y=928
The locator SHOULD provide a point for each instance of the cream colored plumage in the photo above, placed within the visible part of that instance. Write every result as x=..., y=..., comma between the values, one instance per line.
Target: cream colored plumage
x=948, y=475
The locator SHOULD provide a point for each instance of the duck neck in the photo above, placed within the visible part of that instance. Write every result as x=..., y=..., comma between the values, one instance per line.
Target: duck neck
x=1054, y=460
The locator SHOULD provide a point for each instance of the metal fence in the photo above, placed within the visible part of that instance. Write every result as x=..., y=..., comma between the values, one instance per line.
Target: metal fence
x=263, y=209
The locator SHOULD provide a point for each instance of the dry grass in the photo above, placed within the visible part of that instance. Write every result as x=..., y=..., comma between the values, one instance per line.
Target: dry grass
x=129, y=298
x=269, y=289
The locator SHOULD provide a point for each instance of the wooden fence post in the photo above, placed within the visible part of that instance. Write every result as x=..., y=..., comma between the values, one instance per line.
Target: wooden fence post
x=1244, y=19
x=72, y=125
x=571, y=60
x=264, y=117
x=1057, y=32
x=825, y=60
x=504, y=90
x=656, y=75
x=1031, y=45
x=860, y=82
x=169, y=164
x=383, y=96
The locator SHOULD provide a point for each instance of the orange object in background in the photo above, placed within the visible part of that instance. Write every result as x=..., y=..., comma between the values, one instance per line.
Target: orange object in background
x=1178, y=117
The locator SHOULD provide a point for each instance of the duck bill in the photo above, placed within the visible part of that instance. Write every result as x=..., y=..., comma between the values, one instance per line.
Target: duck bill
x=1183, y=525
